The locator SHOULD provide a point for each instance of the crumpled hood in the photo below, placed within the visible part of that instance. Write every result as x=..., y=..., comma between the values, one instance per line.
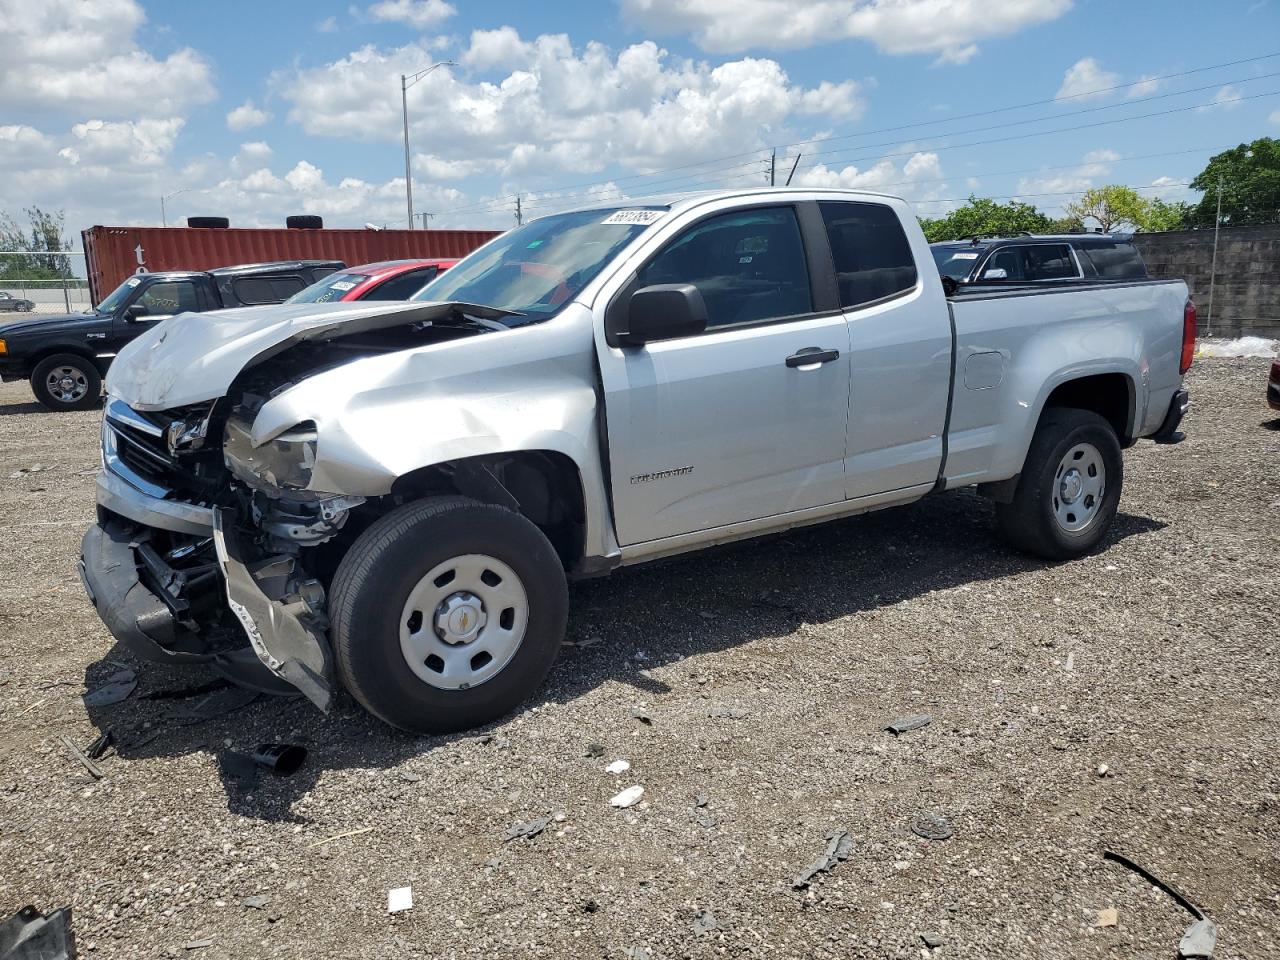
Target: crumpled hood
x=194, y=357
x=35, y=324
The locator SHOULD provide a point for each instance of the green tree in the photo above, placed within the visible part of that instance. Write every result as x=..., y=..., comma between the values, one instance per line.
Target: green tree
x=37, y=246
x=1161, y=216
x=1112, y=207
x=983, y=216
x=1250, y=179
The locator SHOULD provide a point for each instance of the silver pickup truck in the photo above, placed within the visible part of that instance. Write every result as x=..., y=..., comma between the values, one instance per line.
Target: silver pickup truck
x=391, y=497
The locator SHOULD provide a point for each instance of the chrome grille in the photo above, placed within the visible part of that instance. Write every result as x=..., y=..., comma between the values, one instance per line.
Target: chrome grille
x=134, y=448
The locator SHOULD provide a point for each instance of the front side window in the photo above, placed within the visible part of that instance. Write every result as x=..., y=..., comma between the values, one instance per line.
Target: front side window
x=1050, y=261
x=536, y=269
x=871, y=252
x=169, y=297
x=748, y=265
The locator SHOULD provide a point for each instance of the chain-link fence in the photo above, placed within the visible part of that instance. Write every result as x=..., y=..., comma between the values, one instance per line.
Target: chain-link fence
x=42, y=283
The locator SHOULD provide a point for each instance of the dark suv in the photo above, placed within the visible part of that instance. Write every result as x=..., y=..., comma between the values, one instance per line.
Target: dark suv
x=1088, y=257
x=65, y=356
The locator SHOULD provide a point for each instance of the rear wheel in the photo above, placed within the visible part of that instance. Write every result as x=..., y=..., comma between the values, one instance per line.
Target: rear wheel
x=66, y=381
x=447, y=614
x=1069, y=489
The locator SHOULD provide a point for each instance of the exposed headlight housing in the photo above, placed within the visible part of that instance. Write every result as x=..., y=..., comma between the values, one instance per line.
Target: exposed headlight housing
x=282, y=463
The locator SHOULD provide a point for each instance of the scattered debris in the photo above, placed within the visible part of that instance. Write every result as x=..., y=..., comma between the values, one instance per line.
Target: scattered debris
x=701, y=800
x=1070, y=665
x=339, y=836
x=282, y=759
x=591, y=907
x=1150, y=877
x=931, y=825
x=76, y=752
x=643, y=717
x=115, y=688
x=1199, y=941
x=904, y=724
x=1103, y=770
x=932, y=940
x=197, y=944
x=705, y=922
x=618, y=766
x=1057, y=743
x=216, y=704
x=398, y=899
x=27, y=471
x=31, y=706
x=29, y=935
x=1107, y=917
x=257, y=902
x=106, y=740
x=410, y=777
x=839, y=849
x=526, y=830
x=628, y=797
x=637, y=952
x=595, y=750
x=705, y=820
x=728, y=713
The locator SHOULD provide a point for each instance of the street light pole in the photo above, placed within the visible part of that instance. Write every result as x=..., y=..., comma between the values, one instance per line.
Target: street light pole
x=163, y=220
x=405, y=83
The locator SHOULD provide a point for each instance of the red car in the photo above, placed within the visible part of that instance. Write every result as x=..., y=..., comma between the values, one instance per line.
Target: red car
x=389, y=280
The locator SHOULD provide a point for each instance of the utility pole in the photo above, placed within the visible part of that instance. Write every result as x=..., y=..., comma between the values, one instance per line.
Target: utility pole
x=164, y=222
x=425, y=217
x=773, y=168
x=519, y=212
x=1213, y=268
x=405, y=83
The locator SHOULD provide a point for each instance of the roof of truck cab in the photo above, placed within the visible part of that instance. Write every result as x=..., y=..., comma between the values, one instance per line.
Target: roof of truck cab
x=1084, y=238
x=273, y=266
x=681, y=201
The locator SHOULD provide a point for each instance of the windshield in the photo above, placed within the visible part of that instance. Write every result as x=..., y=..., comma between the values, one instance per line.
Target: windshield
x=537, y=268
x=118, y=295
x=332, y=287
x=956, y=262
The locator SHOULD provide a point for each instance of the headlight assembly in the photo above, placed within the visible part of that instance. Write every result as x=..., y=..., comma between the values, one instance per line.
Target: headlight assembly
x=283, y=463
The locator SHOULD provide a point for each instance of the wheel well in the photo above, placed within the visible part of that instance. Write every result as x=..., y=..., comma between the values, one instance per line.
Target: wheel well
x=76, y=350
x=1110, y=395
x=544, y=485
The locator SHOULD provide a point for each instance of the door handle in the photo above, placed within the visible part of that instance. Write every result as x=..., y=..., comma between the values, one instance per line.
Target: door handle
x=812, y=356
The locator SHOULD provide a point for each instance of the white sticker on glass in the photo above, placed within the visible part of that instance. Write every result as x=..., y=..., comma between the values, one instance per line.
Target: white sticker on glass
x=964, y=256
x=643, y=217
x=342, y=285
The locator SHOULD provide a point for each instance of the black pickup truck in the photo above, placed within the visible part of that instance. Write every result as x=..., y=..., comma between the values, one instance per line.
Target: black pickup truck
x=65, y=356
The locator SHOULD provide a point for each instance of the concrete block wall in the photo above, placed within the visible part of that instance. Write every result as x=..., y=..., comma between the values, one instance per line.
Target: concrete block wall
x=1246, y=294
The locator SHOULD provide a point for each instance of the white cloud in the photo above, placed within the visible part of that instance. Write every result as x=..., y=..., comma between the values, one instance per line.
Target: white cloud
x=553, y=108
x=246, y=117
x=946, y=28
x=83, y=55
x=1086, y=78
x=884, y=176
x=1145, y=86
x=256, y=149
x=1095, y=166
x=1274, y=118
x=422, y=14
x=146, y=142
x=327, y=25
x=1228, y=97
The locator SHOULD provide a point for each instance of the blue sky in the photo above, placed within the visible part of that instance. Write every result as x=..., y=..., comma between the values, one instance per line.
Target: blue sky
x=259, y=110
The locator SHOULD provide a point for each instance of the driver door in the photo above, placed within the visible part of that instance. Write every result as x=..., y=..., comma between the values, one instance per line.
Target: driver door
x=161, y=300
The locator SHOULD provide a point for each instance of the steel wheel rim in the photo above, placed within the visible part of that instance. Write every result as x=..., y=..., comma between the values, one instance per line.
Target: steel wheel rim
x=463, y=622
x=1079, y=487
x=67, y=384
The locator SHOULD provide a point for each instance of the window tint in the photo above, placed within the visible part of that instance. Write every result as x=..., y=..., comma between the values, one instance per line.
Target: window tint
x=748, y=265
x=1008, y=259
x=402, y=287
x=1116, y=261
x=871, y=253
x=253, y=290
x=169, y=298
x=1050, y=261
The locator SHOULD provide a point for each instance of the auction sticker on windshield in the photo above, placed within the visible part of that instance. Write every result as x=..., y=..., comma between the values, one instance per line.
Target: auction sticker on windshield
x=644, y=217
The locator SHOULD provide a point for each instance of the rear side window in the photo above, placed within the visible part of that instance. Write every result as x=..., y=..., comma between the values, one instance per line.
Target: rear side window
x=870, y=249
x=402, y=287
x=252, y=290
x=1116, y=261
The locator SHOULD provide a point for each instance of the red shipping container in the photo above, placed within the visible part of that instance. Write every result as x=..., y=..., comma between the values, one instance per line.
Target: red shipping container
x=114, y=253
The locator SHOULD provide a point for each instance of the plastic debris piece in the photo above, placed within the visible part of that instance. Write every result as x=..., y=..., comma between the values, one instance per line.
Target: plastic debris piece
x=106, y=740
x=839, y=849
x=257, y=902
x=932, y=940
x=115, y=688
x=618, y=766
x=701, y=800
x=282, y=759
x=180, y=693
x=728, y=713
x=628, y=797
x=197, y=944
x=1199, y=941
x=79, y=755
x=399, y=898
x=637, y=952
x=931, y=825
x=526, y=830
x=409, y=776
x=902, y=725
x=595, y=750
x=213, y=705
x=643, y=717
x=1168, y=888
x=705, y=922
x=1107, y=917
x=28, y=935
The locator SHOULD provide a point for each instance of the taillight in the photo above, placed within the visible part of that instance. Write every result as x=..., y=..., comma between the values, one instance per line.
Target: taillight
x=1188, y=336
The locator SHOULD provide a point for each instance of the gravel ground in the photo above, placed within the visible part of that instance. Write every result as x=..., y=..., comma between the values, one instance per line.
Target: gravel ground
x=1156, y=657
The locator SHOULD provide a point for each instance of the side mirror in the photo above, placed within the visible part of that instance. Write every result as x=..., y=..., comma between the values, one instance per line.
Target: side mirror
x=995, y=273
x=664, y=311
x=134, y=311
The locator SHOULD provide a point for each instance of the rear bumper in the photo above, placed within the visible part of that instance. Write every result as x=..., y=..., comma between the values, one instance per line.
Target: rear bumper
x=1178, y=406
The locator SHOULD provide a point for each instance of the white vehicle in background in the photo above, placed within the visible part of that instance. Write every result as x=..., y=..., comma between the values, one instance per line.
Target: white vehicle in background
x=391, y=497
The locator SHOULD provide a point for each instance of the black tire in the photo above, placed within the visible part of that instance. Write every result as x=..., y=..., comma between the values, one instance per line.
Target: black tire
x=209, y=223
x=25, y=306
x=374, y=581
x=304, y=222
x=1030, y=522
x=84, y=373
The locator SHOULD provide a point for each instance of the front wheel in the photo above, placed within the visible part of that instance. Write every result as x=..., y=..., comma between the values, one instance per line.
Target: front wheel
x=447, y=614
x=1069, y=489
x=66, y=381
